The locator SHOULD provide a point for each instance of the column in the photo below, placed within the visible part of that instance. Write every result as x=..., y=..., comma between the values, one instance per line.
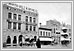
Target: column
x=11, y=40
x=12, y=15
x=17, y=40
x=12, y=22
x=12, y=25
x=17, y=16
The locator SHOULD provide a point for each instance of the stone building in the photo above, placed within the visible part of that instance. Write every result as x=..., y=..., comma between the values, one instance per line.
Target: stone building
x=18, y=20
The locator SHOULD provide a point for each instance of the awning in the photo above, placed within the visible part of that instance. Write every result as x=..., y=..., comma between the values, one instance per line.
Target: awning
x=46, y=39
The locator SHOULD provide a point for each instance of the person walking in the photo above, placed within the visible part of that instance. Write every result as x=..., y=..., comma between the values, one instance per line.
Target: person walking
x=38, y=44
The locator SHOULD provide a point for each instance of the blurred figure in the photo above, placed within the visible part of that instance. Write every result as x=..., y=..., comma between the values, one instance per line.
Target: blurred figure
x=38, y=44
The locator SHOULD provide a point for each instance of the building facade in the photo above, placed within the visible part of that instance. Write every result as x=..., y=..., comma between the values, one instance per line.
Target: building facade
x=18, y=20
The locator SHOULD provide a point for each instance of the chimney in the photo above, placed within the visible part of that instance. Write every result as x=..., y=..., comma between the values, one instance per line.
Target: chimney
x=40, y=24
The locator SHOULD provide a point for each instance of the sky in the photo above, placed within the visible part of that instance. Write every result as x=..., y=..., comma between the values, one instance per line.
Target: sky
x=50, y=11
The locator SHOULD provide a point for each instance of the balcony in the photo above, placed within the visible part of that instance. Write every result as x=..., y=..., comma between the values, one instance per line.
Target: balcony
x=31, y=23
x=13, y=20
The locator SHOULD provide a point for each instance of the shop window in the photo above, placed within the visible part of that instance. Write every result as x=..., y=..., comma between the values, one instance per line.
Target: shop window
x=8, y=40
x=15, y=40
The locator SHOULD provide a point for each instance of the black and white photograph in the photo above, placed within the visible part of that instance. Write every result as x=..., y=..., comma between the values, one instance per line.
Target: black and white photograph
x=36, y=25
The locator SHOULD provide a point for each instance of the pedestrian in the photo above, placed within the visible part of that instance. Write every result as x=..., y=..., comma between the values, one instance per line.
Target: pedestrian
x=38, y=44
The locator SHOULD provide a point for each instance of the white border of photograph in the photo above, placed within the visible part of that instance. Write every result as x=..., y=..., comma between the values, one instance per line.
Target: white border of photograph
x=38, y=1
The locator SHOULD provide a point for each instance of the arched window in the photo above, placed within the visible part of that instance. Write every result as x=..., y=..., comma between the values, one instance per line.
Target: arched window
x=8, y=40
x=20, y=38
x=15, y=40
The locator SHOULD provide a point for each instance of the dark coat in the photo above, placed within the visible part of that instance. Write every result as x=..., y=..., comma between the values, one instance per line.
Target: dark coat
x=38, y=44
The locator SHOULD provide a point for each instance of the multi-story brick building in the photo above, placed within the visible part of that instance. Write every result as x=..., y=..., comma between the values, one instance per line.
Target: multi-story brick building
x=17, y=20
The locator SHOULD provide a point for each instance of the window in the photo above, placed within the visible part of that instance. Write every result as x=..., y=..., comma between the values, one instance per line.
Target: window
x=8, y=40
x=30, y=28
x=46, y=34
x=9, y=15
x=41, y=33
x=14, y=16
x=9, y=25
x=30, y=19
x=23, y=11
x=26, y=18
x=19, y=26
x=34, y=28
x=19, y=17
x=27, y=27
x=15, y=40
x=34, y=20
x=8, y=8
x=49, y=33
x=14, y=25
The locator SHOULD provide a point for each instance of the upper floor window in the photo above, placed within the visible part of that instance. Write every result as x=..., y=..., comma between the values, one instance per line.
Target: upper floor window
x=27, y=27
x=34, y=20
x=8, y=8
x=30, y=19
x=49, y=33
x=44, y=33
x=23, y=11
x=19, y=26
x=19, y=17
x=14, y=16
x=14, y=25
x=26, y=18
x=9, y=25
x=41, y=33
x=34, y=28
x=9, y=15
x=30, y=28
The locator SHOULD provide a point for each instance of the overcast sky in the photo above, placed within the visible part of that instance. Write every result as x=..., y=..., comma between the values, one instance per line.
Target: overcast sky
x=47, y=11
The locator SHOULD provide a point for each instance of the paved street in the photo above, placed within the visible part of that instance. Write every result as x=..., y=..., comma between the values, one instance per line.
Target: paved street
x=43, y=47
